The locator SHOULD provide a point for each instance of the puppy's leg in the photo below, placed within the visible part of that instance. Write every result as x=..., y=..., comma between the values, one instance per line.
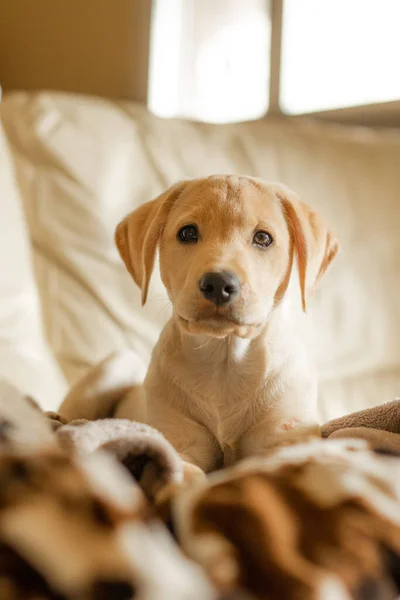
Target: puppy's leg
x=291, y=420
x=192, y=473
x=132, y=405
x=99, y=392
x=264, y=437
x=194, y=442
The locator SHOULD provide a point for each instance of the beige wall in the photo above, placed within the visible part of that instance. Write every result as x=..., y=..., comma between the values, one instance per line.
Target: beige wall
x=89, y=46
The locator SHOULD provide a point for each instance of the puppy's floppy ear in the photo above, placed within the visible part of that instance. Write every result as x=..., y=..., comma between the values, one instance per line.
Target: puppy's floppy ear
x=138, y=235
x=315, y=246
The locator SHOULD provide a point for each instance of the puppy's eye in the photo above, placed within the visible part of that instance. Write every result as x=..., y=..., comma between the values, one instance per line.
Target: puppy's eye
x=188, y=234
x=262, y=238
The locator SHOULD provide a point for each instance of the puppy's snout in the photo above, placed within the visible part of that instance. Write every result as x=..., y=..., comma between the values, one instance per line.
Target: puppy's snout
x=219, y=288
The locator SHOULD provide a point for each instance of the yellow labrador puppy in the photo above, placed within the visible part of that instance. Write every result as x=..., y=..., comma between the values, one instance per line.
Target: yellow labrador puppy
x=228, y=377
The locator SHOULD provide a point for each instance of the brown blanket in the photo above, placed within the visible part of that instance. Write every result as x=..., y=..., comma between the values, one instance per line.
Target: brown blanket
x=380, y=426
x=85, y=509
x=319, y=520
x=74, y=523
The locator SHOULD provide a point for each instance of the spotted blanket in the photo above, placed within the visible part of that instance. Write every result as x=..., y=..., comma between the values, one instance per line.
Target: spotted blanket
x=99, y=510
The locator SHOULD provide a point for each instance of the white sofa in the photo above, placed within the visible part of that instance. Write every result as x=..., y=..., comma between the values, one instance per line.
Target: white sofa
x=72, y=166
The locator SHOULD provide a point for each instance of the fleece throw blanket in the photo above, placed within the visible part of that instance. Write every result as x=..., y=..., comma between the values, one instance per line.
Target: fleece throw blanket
x=316, y=520
x=76, y=515
x=380, y=426
x=100, y=510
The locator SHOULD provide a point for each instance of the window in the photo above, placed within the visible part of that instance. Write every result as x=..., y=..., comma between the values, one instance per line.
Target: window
x=339, y=53
x=210, y=60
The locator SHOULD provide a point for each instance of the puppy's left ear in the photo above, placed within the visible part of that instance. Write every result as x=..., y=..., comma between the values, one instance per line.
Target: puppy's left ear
x=314, y=244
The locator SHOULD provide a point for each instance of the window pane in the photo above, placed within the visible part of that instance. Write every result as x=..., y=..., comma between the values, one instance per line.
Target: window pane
x=339, y=53
x=210, y=60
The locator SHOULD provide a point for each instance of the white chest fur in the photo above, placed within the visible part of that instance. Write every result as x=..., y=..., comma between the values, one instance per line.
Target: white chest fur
x=226, y=386
x=225, y=383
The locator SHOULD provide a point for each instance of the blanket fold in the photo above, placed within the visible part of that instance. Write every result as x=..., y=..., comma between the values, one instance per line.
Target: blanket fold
x=319, y=520
x=85, y=508
x=74, y=524
x=142, y=450
x=379, y=425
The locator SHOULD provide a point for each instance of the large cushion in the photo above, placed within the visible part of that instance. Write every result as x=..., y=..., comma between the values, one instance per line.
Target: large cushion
x=83, y=163
x=25, y=357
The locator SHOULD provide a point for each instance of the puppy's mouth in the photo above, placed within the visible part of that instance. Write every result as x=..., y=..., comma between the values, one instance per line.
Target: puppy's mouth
x=218, y=326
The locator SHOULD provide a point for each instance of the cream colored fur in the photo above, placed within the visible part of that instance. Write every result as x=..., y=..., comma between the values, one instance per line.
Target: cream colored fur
x=231, y=381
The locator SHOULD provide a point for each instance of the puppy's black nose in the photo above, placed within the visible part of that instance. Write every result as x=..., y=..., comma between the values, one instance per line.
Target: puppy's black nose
x=219, y=288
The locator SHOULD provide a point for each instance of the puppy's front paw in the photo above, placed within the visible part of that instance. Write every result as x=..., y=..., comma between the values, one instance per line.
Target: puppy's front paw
x=295, y=432
x=192, y=473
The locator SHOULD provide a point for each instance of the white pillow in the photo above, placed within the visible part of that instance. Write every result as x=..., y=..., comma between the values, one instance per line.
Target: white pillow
x=25, y=357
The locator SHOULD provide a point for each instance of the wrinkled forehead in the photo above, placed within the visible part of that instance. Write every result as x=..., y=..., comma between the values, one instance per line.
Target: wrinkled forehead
x=232, y=202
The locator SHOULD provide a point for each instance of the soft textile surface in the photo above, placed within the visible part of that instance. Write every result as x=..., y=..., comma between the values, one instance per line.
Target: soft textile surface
x=25, y=357
x=320, y=520
x=150, y=459
x=380, y=426
x=77, y=526
x=21, y=423
x=85, y=509
x=83, y=163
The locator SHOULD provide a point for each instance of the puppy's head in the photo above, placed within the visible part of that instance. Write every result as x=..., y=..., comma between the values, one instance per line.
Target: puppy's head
x=226, y=250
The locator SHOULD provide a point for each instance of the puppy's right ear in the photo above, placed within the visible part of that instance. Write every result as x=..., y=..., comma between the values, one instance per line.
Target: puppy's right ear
x=138, y=235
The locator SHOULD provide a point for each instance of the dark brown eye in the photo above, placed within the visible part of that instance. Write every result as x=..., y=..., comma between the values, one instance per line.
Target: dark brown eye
x=188, y=234
x=262, y=238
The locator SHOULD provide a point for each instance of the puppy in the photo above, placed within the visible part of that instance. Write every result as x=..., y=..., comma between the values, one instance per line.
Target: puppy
x=228, y=377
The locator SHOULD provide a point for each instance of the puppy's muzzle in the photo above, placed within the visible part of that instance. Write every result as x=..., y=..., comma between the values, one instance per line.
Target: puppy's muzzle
x=219, y=288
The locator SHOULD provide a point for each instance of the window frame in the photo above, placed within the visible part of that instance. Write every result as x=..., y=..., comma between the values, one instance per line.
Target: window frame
x=382, y=114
